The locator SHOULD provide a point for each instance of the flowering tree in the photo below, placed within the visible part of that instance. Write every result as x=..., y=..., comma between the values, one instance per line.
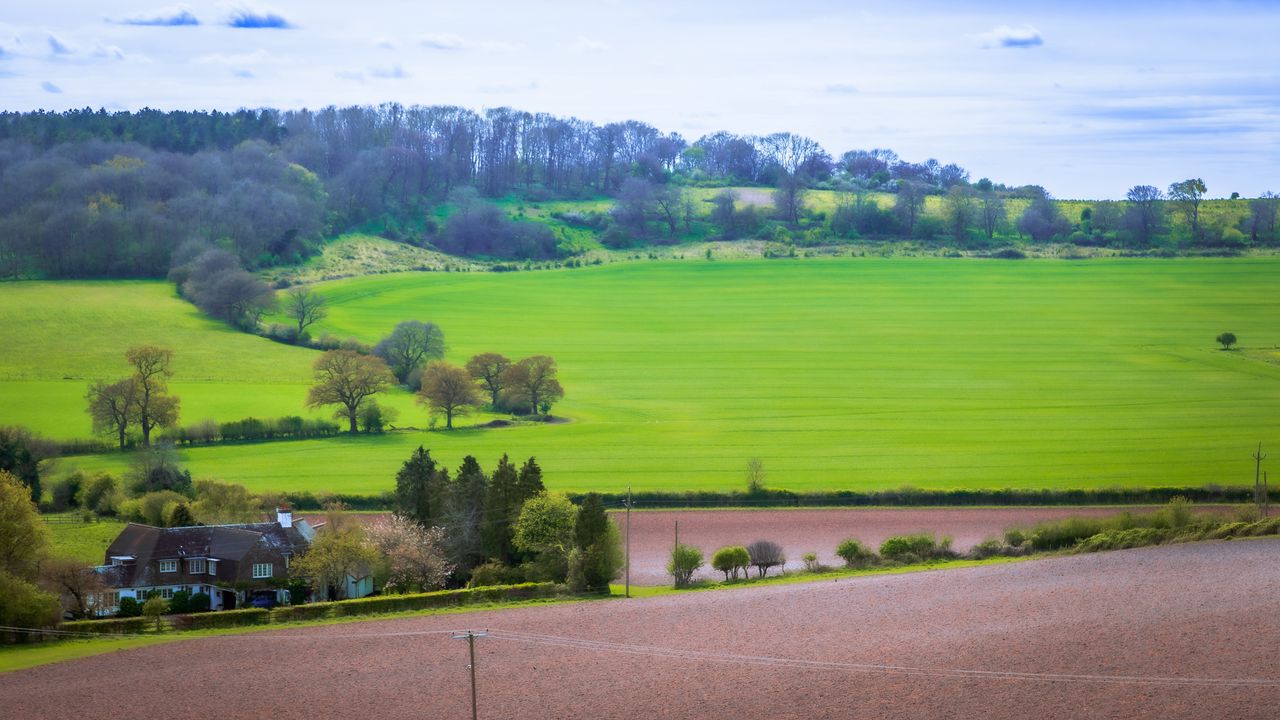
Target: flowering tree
x=415, y=555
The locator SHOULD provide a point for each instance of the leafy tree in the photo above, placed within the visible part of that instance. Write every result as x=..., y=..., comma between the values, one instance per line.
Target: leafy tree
x=1145, y=214
x=1043, y=221
x=20, y=455
x=375, y=417
x=219, y=503
x=337, y=552
x=597, y=556
x=200, y=602
x=347, y=378
x=765, y=554
x=414, y=555
x=421, y=489
x=181, y=516
x=909, y=205
x=448, y=389
x=101, y=494
x=545, y=526
x=129, y=607
x=22, y=604
x=854, y=553
x=960, y=212
x=487, y=369
x=730, y=560
x=23, y=536
x=502, y=506
x=151, y=373
x=755, y=476
x=1226, y=339
x=992, y=213
x=724, y=214
x=1186, y=196
x=305, y=306
x=156, y=607
x=114, y=407
x=685, y=561
x=1263, y=212
x=532, y=382
x=409, y=345
x=180, y=602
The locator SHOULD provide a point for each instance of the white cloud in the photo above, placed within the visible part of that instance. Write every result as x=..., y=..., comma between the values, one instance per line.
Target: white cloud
x=395, y=72
x=57, y=47
x=587, y=45
x=443, y=41
x=451, y=42
x=248, y=58
x=1009, y=36
x=50, y=88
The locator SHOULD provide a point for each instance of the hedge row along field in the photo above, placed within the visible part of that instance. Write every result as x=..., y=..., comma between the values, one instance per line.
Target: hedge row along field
x=840, y=374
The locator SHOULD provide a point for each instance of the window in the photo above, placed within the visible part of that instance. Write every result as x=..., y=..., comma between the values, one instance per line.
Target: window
x=168, y=566
x=195, y=566
x=165, y=593
x=261, y=570
x=213, y=567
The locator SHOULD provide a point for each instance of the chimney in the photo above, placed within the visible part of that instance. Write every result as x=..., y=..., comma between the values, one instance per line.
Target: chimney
x=284, y=516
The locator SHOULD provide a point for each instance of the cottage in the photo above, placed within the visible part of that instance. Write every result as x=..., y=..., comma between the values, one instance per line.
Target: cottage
x=230, y=563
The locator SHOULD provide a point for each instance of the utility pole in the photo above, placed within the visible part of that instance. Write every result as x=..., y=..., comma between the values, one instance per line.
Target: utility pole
x=470, y=636
x=1266, y=497
x=627, y=565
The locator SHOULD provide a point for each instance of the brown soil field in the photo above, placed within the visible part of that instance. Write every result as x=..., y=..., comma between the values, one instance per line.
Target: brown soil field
x=1185, y=631
x=820, y=530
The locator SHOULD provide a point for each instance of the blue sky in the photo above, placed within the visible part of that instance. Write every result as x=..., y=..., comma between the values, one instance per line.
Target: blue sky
x=1087, y=98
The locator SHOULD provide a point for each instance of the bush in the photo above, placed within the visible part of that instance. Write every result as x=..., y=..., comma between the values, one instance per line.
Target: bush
x=117, y=626
x=920, y=547
x=731, y=559
x=293, y=613
x=855, y=554
x=1059, y=534
x=180, y=602
x=223, y=619
x=495, y=573
x=1014, y=537
x=129, y=608
x=66, y=492
x=200, y=602
x=685, y=561
x=766, y=554
x=811, y=561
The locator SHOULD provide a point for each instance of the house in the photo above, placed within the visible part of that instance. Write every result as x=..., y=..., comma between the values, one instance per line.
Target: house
x=230, y=563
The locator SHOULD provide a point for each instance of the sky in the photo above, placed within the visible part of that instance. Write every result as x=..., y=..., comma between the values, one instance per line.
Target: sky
x=1086, y=98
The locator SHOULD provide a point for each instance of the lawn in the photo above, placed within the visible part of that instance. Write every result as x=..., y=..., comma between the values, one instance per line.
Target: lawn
x=69, y=537
x=839, y=373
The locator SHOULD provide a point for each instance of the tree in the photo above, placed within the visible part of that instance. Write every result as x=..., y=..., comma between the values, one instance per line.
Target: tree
x=156, y=469
x=1186, y=196
x=151, y=373
x=20, y=455
x=532, y=382
x=487, y=369
x=685, y=561
x=78, y=585
x=465, y=514
x=960, y=212
x=414, y=554
x=597, y=556
x=671, y=201
x=1226, y=339
x=765, y=554
x=502, y=506
x=788, y=198
x=347, y=378
x=1145, y=215
x=1263, y=212
x=155, y=607
x=448, y=389
x=420, y=489
x=114, y=407
x=219, y=503
x=635, y=205
x=374, y=417
x=529, y=483
x=755, y=476
x=408, y=345
x=992, y=214
x=908, y=205
x=854, y=553
x=305, y=306
x=1042, y=220
x=545, y=526
x=23, y=542
x=338, y=551
x=180, y=516
x=731, y=559
x=724, y=214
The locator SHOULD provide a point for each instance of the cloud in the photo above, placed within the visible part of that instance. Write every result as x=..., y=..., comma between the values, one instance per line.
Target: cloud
x=385, y=43
x=250, y=19
x=50, y=88
x=840, y=89
x=1007, y=36
x=176, y=17
x=245, y=74
x=109, y=52
x=57, y=47
x=587, y=45
x=395, y=72
x=443, y=41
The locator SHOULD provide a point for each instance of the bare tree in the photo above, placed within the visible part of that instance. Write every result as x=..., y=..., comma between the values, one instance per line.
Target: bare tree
x=79, y=587
x=766, y=554
x=448, y=389
x=908, y=205
x=788, y=198
x=755, y=476
x=151, y=373
x=347, y=378
x=960, y=211
x=992, y=214
x=305, y=306
x=670, y=202
x=1145, y=215
x=487, y=369
x=113, y=407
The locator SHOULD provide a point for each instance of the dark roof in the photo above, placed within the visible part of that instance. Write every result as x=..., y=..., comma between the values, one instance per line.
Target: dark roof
x=219, y=542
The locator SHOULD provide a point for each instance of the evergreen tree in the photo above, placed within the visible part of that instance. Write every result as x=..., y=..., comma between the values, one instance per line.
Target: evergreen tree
x=529, y=483
x=592, y=521
x=466, y=515
x=597, y=555
x=501, y=508
x=181, y=516
x=420, y=488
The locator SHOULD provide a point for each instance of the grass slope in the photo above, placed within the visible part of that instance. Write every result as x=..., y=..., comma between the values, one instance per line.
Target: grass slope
x=838, y=373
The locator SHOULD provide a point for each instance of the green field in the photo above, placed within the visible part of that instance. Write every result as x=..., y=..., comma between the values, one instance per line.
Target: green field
x=839, y=373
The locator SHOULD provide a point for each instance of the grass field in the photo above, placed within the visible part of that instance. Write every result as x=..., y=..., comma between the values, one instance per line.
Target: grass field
x=85, y=542
x=838, y=373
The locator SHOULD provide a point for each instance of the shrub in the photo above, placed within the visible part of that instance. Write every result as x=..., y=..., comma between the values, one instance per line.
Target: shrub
x=855, y=554
x=223, y=619
x=766, y=554
x=1122, y=539
x=1058, y=534
x=685, y=561
x=495, y=573
x=129, y=608
x=915, y=548
x=1175, y=514
x=730, y=559
x=810, y=561
x=154, y=608
x=199, y=602
x=990, y=547
x=66, y=492
x=180, y=602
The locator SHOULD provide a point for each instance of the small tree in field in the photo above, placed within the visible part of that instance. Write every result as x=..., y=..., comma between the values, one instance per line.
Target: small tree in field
x=1226, y=340
x=766, y=554
x=447, y=389
x=347, y=378
x=729, y=560
x=685, y=561
x=854, y=553
x=155, y=607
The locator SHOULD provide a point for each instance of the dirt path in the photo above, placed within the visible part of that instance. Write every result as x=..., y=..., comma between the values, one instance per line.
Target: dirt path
x=1198, y=616
x=801, y=531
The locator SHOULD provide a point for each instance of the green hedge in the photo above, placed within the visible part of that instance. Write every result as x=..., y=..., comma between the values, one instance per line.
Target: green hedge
x=221, y=619
x=443, y=598
x=112, y=626
x=293, y=613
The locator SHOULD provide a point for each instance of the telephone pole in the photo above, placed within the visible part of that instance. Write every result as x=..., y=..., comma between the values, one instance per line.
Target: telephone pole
x=627, y=564
x=470, y=636
x=1258, y=457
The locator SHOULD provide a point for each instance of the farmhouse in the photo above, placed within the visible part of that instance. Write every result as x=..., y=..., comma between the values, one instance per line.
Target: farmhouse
x=232, y=564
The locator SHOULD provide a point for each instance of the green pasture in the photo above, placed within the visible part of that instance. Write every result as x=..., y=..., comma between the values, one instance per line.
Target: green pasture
x=839, y=373
x=85, y=542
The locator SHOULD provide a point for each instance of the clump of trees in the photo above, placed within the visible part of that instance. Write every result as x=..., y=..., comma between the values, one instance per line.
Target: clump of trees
x=23, y=543
x=214, y=281
x=140, y=400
